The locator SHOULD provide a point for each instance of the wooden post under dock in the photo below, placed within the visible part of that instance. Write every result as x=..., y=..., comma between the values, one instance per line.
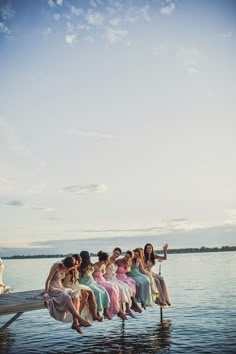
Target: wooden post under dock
x=20, y=302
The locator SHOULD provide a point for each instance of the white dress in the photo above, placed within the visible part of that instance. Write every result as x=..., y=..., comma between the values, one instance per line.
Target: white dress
x=125, y=290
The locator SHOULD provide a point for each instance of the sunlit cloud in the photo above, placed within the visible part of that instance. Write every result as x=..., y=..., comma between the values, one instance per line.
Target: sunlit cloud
x=71, y=39
x=85, y=188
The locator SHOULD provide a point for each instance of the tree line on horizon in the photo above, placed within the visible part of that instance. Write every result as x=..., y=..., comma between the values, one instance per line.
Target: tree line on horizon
x=170, y=251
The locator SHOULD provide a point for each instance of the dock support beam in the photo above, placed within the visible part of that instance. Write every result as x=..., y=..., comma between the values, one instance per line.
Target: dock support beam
x=10, y=321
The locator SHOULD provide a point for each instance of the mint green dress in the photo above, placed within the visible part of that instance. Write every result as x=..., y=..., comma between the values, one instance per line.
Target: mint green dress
x=101, y=295
x=144, y=293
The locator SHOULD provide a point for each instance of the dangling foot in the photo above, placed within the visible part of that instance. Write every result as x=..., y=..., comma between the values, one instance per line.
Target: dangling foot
x=106, y=315
x=144, y=306
x=77, y=328
x=122, y=316
x=130, y=313
x=84, y=323
x=168, y=303
x=98, y=318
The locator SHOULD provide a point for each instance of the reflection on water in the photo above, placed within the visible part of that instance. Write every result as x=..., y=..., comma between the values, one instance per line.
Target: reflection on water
x=118, y=341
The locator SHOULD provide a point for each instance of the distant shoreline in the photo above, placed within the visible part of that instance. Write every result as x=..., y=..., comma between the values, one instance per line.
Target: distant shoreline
x=170, y=251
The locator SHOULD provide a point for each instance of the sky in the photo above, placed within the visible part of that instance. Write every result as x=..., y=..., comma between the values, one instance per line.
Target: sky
x=117, y=120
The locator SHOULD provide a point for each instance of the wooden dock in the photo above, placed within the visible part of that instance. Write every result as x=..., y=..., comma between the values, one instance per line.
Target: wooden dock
x=20, y=302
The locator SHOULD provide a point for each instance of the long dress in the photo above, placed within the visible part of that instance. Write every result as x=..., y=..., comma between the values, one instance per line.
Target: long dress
x=85, y=313
x=144, y=293
x=101, y=295
x=112, y=290
x=160, y=284
x=125, y=290
x=121, y=275
x=59, y=297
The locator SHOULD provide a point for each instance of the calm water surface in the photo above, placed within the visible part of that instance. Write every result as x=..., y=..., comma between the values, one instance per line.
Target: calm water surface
x=202, y=318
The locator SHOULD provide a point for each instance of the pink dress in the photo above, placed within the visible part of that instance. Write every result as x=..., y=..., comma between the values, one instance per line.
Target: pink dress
x=121, y=275
x=112, y=290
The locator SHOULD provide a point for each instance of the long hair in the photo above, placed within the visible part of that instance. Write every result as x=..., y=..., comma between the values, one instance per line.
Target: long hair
x=85, y=262
x=146, y=256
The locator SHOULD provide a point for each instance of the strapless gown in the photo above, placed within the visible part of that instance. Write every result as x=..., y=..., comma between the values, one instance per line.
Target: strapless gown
x=101, y=295
x=144, y=293
x=113, y=292
x=121, y=275
x=125, y=290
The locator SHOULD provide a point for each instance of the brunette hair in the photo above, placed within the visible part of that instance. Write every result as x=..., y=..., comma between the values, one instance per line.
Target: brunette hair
x=85, y=262
x=68, y=262
x=117, y=249
x=102, y=256
x=146, y=256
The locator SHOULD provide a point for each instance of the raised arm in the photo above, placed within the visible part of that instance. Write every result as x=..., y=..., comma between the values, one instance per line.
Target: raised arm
x=163, y=258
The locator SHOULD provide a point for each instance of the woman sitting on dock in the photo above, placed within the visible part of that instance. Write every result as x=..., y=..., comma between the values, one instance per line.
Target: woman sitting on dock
x=125, y=290
x=59, y=300
x=144, y=293
x=85, y=277
x=124, y=267
x=149, y=259
x=88, y=306
x=112, y=289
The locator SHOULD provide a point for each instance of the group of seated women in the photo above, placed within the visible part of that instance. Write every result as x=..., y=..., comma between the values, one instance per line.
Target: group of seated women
x=112, y=286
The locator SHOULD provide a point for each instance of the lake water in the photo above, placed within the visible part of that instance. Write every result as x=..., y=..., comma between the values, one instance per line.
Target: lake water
x=202, y=318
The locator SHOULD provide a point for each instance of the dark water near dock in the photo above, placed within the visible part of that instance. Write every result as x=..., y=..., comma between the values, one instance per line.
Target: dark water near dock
x=202, y=319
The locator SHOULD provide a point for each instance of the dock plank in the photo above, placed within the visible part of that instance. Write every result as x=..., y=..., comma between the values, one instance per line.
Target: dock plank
x=21, y=302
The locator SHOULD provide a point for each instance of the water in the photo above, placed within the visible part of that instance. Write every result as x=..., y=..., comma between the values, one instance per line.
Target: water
x=202, y=319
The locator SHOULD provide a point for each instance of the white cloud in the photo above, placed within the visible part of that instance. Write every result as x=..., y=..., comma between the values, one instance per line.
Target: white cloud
x=85, y=188
x=95, y=18
x=71, y=39
x=76, y=11
x=53, y=3
x=13, y=141
x=192, y=70
x=90, y=134
x=37, y=189
x=114, y=21
x=43, y=209
x=114, y=36
x=230, y=215
x=69, y=27
x=56, y=17
x=6, y=12
x=4, y=29
x=168, y=9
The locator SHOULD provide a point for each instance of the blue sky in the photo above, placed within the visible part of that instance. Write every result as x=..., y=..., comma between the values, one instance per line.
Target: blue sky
x=117, y=118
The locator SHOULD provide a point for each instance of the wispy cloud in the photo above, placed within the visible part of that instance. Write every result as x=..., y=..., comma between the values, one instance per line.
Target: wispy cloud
x=190, y=58
x=43, y=209
x=16, y=203
x=95, y=18
x=114, y=36
x=168, y=8
x=13, y=140
x=85, y=188
x=227, y=35
x=54, y=3
x=37, y=189
x=90, y=134
x=230, y=215
x=4, y=29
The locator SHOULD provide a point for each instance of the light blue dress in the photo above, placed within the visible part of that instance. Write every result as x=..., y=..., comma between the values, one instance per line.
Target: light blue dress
x=144, y=293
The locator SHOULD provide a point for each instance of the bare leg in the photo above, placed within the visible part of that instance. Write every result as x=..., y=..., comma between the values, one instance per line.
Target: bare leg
x=93, y=306
x=106, y=314
x=161, y=299
x=122, y=315
x=164, y=290
x=76, y=316
x=128, y=310
x=84, y=298
x=135, y=305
